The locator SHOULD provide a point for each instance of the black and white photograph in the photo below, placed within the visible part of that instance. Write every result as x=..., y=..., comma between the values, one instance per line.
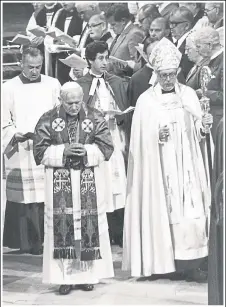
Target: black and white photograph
x=112, y=153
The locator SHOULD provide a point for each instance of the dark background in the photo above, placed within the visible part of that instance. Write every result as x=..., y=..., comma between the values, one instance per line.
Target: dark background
x=15, y=18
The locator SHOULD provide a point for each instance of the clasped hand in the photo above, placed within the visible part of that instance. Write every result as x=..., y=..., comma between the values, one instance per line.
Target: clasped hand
x=75, y=150
x=207, y=119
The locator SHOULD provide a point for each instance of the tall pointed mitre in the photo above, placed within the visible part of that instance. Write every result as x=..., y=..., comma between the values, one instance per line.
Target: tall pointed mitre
x=165, y=55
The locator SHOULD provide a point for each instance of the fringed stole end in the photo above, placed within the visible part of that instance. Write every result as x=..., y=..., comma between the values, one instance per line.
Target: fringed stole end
x=90, y=254
x=64, y=253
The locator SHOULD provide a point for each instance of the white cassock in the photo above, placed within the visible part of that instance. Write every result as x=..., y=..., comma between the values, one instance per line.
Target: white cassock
x=115, y=172
x=168, y=195
x=23, y=105
x=72, y=272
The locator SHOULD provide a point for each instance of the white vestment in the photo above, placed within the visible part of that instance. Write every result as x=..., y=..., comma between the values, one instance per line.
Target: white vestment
x=115, y=172
x=72, y=272
x=167, y=189
x=23, y=105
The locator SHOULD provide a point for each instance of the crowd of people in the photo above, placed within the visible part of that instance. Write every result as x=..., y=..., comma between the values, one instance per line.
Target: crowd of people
x=125, y=150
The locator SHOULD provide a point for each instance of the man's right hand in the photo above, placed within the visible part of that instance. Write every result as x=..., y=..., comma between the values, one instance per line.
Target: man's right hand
x=19, y=137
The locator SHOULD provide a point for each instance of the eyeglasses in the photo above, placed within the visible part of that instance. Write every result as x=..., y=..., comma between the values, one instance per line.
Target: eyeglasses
x=165, y=76
x=175, y=24
x=94, y=26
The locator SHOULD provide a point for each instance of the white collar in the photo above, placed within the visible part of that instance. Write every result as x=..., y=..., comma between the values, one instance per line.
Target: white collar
x=50, y=7
x=95, y=81
x=217, y=53
x=182, y=39
x=95, y=75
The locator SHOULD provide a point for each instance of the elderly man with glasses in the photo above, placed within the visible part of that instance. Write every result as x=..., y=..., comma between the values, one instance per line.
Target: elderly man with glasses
x=214, y=12
x=181, y=21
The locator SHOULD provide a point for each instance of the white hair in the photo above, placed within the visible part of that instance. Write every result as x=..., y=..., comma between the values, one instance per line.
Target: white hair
x=207, y=35
x=70, y=87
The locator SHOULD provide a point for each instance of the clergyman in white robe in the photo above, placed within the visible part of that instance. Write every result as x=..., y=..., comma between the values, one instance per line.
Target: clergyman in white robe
x=23, y=104
x=168, y=195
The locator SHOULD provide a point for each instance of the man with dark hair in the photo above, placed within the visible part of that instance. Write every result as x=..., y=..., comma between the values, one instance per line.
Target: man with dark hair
x=98, y=31
x=181, y=22
x=108, y=94
x=25, y=98
x=128, y=36
x=72, y=141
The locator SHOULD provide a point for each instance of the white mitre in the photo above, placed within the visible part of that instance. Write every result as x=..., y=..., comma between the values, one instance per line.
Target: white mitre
x=165, y=55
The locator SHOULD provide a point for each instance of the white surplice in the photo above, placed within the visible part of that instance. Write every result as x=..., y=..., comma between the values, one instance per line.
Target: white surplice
x=72, y=272
x=23, y=105
x=115, y=172
x=168, y=196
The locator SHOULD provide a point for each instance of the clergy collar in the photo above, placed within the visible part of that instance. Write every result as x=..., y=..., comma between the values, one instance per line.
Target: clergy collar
x=25, y=80
x=158, y=88
x=50, y=8
x=169, y=92
x=94, y=75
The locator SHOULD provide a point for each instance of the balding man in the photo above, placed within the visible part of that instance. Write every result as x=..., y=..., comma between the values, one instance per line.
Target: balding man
x=159, y=28
x=208, y=45
x=72, y=141
x=86, y=11
x=99, y=29
x=215, y=12
x=181, y=22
